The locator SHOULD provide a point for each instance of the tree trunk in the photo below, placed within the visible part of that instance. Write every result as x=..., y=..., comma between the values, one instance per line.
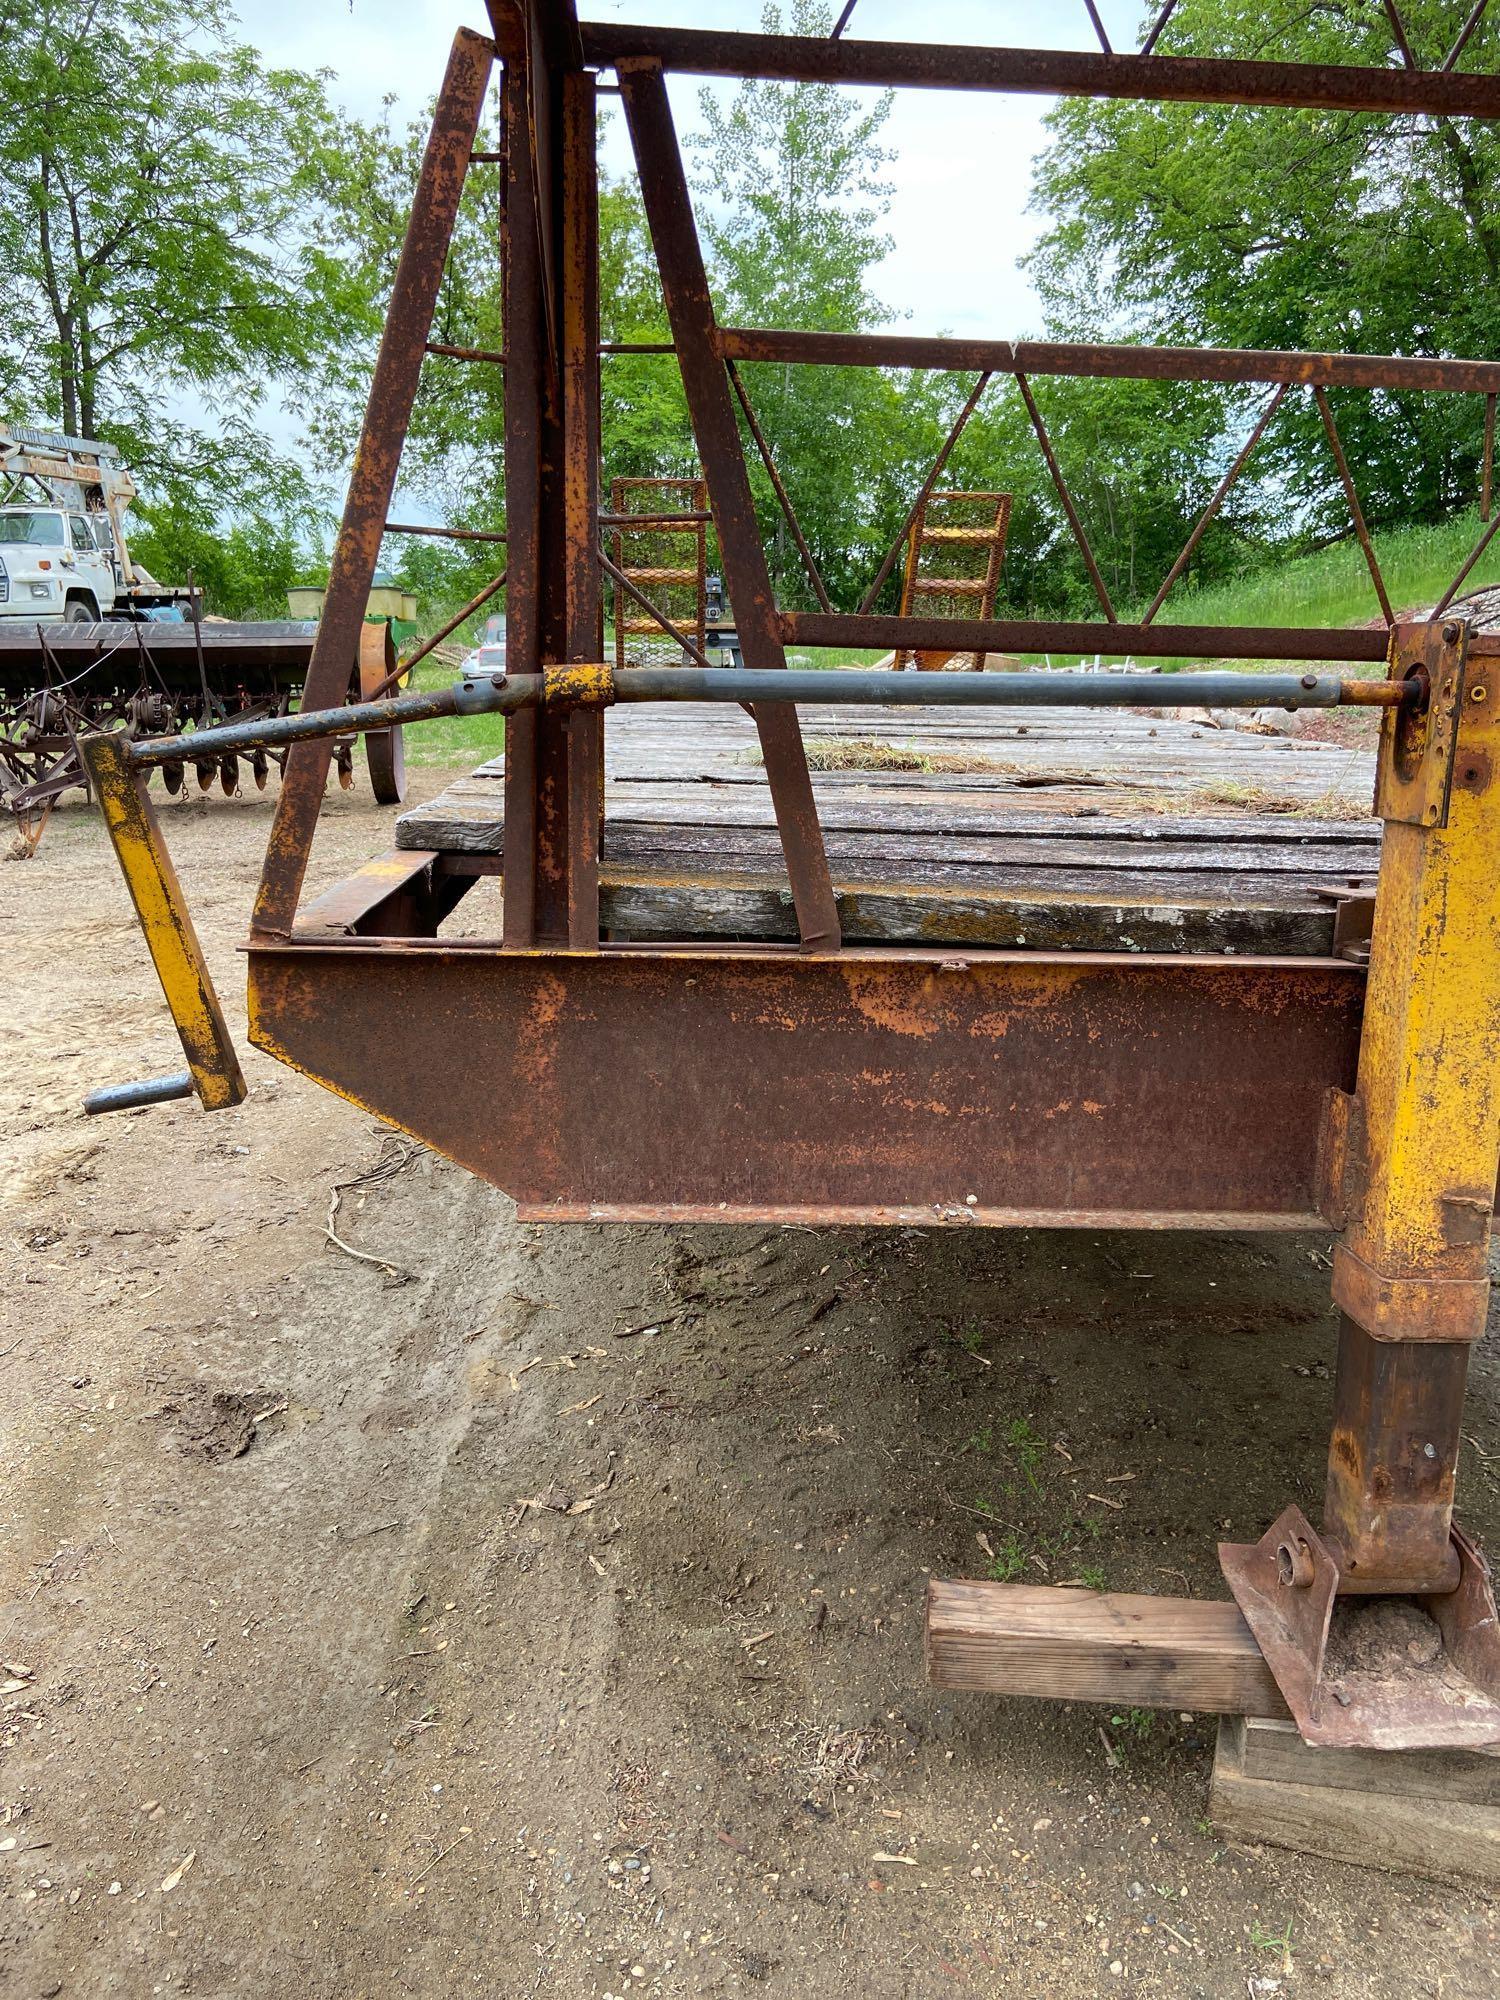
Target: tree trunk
x=62, y=319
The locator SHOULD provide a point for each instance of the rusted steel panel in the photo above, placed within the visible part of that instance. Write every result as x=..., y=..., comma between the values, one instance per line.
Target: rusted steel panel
x=392, y=391
x=1103, y=359
x=674, y=236
x=870, y=1086
x=1046, y=72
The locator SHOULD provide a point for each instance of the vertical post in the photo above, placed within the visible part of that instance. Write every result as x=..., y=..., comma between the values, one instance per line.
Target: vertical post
x=545, y=480
x=1421, y=1139
x=580, y=341
x=419, y=275
x=674, y=237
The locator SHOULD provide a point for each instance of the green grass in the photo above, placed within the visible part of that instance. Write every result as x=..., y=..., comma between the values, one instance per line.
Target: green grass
x=455, y=739
x=1333, y=587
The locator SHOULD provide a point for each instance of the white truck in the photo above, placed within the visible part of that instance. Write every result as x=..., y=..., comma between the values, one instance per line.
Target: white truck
x=63, y=551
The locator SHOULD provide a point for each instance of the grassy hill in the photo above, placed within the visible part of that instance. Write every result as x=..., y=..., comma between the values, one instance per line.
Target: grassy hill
x=1334, y=587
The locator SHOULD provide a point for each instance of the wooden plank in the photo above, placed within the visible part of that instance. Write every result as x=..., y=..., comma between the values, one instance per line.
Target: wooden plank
x=1368, y=1827
x=638, y=797
x=1275, y=1751
x=447, y=819
x=1082, y=1645
x=1264, y=874
x=643, y=911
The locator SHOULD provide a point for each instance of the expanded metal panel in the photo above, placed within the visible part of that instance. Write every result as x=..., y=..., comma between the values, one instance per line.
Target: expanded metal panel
x=667, y=563
x=953, y=564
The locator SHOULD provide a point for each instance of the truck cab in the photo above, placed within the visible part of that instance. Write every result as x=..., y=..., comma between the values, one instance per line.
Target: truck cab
x=56, y=563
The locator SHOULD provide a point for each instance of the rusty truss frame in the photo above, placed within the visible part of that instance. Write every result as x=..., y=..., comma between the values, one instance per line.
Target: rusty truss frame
x=819, y=1082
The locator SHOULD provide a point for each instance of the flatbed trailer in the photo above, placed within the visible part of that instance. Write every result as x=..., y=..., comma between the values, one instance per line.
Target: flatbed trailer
x=1345, y=1073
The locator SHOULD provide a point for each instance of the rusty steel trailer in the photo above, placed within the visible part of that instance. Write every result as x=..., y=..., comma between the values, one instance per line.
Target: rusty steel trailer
x=828, y=1080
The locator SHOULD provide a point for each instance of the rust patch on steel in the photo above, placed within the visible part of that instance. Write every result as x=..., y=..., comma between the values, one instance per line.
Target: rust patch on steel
x=1001, y=1085
x=1410, y=1308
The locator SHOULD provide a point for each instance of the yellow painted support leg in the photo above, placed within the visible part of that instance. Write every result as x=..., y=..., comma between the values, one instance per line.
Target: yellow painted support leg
x=170, y=937
x=1421, y=1141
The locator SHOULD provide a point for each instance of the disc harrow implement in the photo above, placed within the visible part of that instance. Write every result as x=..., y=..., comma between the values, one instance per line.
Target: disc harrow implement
x=60, y=683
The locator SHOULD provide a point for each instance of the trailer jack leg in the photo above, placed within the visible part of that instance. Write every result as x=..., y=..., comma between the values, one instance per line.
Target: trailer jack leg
x=213, y=1070
x=1381, y=1631
x=1378, y=1631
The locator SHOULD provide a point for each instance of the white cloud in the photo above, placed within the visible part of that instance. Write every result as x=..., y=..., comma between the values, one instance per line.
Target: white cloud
x=963, y=167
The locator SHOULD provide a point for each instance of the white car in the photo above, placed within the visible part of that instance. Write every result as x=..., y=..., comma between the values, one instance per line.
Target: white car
x=488, y=657
x=54, y=567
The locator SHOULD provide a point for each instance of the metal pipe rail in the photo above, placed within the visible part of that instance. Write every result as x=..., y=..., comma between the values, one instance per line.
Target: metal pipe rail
x=599, y=686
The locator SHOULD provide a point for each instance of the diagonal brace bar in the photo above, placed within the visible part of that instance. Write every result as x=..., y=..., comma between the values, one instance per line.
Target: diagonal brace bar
x=778, y=486
x=928, y=484
x=419, y=274
x=1220, y=495
x=1357, y=513
x=674, y=237
x=1085, y=548
x=163, y=914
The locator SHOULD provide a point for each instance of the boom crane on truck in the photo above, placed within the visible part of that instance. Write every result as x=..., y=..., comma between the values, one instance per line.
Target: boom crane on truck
x=63, y=548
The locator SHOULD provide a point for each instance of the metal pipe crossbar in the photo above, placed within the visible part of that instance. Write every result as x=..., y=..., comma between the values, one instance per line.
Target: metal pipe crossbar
x=808, y=687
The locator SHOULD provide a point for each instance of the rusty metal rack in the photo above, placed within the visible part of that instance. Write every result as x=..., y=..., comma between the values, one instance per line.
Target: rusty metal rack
x=818, y=1080
x=953, y=559
x=661, y=564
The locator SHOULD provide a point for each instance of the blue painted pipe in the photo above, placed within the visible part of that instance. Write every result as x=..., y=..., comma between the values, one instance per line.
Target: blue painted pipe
x=130, y=1096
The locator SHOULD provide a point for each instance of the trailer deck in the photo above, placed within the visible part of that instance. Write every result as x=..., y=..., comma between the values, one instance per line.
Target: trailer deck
x=1072, y=830
x=597, y=1061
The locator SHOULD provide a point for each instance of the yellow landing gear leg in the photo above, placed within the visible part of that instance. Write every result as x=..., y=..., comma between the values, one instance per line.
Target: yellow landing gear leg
x=213, y=1070
x=1411, y=1162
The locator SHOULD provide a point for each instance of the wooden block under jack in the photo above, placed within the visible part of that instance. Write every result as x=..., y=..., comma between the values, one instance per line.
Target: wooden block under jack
x=1419, y=1812
x=1064, y=1644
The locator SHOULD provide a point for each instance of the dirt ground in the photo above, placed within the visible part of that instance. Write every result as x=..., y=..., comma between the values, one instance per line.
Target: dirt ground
x=539, y=1611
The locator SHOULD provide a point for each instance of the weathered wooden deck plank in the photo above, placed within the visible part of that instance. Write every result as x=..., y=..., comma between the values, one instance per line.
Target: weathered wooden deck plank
x=1058, y=840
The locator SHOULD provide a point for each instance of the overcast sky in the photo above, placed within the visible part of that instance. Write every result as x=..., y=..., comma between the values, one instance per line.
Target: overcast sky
x=962, y=172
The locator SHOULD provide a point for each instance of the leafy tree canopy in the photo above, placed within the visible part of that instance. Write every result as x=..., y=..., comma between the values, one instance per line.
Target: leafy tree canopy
x=155, y=177
x=1260, y=227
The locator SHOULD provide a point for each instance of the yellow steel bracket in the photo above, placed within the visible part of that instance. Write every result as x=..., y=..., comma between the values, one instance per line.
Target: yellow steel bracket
x=175, y=951
x=1421, y=1136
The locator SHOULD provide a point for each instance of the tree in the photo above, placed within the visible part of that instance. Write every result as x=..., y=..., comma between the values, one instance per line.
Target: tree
x=452, y=463
x=155, y=178
x=1259, y=227
x=790, y=206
